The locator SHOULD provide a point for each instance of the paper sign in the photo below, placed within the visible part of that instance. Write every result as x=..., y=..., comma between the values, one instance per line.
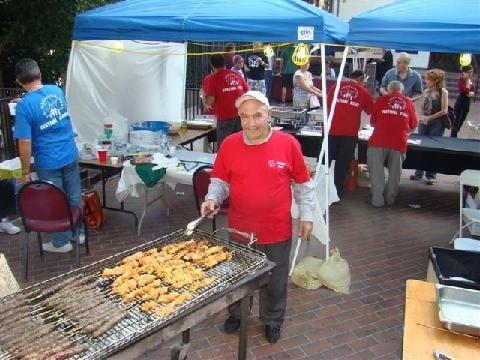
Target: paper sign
x=306, y=33
x=12, y=107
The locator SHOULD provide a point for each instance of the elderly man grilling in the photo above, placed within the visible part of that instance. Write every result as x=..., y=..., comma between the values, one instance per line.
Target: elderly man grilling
x=255, y=169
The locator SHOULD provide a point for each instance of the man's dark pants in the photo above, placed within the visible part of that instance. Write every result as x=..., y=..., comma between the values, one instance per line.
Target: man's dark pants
x=273, y=296
x=341, y=149
x=227, y=127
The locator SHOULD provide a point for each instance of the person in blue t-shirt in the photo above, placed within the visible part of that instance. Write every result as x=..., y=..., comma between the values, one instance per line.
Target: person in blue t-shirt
x=44, y=130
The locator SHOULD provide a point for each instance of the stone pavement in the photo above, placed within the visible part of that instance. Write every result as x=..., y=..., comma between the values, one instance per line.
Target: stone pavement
x=384, y=247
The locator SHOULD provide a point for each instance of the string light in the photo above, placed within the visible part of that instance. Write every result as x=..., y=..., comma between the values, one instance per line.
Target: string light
x=301, y=54
x=465, y=59
x=268, y=51
x=117, y=46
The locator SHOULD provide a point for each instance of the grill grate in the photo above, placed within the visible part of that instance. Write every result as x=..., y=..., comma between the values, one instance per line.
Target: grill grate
x=139, y=324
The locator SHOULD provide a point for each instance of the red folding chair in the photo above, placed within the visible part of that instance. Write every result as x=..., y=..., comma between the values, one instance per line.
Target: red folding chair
x=201, y=180
x=44, y=208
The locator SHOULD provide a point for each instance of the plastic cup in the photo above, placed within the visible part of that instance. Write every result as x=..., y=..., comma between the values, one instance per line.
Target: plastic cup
x=114, y=160
x=102, y=155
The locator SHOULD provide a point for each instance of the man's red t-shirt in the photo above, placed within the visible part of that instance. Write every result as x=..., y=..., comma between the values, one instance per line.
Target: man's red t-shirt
x=260, y=179
x=353, y=98
x=225, y=86
x=393, y=118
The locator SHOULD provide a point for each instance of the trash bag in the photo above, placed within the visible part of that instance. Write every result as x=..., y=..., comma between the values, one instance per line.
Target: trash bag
x=8, y=283
x=305, y=273
x=334, y=273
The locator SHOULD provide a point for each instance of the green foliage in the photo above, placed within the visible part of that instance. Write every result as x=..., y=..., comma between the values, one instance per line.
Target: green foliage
x=40, y=29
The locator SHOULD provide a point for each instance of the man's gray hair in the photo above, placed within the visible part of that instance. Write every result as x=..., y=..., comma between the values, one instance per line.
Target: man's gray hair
x=404, y=56
x=395, y=86
x=27, y=71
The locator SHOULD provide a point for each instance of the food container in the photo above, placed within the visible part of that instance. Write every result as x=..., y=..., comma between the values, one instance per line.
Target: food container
x=107, y=131
x=456, y=267
x=153, y=126
x=174, y=128
x=459, y=309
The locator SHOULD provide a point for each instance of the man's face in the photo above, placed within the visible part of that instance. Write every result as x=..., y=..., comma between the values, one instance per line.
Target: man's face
x=402, y=65
x=239, y=64
x=254, y=117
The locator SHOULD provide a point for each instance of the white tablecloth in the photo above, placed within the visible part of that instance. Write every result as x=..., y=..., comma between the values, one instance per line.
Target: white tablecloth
x=129, y=182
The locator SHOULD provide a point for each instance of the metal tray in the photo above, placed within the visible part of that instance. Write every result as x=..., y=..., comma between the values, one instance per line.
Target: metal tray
x=459, y=309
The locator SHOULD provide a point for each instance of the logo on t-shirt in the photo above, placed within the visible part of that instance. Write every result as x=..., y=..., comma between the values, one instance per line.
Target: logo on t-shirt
x=53, y=108
x=396, y=106
x=253, y=61
x=276, y=164
x=348, y=95
x=232, y=83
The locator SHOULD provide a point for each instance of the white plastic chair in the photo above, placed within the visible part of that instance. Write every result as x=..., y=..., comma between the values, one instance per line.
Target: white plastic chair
x=469, y=178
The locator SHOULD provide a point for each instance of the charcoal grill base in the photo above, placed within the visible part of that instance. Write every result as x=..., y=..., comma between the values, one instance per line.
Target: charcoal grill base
x=242, y=292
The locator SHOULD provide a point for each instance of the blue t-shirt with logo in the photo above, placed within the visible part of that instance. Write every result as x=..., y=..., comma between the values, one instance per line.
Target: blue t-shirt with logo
x=42, y=116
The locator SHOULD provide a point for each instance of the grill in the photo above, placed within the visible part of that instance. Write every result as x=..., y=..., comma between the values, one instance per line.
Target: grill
x=289, y=118
x=137, y=324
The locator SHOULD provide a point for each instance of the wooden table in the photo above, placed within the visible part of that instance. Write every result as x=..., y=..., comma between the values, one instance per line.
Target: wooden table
x=423, y=333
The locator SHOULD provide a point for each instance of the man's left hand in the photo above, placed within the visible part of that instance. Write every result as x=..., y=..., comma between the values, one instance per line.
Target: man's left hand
x=305, y=229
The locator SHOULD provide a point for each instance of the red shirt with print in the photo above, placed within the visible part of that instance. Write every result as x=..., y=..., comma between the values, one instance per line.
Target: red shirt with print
x=353, y=98
x=260, y=179
x=393, y=118
x=225, y=86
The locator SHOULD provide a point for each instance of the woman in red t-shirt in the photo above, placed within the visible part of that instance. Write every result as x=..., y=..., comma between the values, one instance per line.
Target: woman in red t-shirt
x=462, y=105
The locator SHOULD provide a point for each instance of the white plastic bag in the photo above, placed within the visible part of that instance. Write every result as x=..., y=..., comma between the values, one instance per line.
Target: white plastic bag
x=305, y=273
x=334, y=273
x=8, y=283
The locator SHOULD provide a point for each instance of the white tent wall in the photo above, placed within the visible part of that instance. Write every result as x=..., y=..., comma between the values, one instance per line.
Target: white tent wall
x=123, y=82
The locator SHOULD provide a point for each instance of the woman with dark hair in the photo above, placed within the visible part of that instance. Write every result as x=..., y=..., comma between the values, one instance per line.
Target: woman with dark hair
x=7, y=207
x=435, y=107
x=462, y=105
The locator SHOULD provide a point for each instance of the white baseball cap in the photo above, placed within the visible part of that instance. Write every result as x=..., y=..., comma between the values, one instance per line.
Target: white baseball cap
x=252, y=95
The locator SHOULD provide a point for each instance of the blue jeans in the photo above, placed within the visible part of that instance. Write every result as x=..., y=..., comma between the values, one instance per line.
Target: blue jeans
x=268, y=81
x=436, y=128
x=67, y=178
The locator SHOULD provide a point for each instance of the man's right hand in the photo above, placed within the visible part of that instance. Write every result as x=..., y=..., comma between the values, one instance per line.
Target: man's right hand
x=209, y=207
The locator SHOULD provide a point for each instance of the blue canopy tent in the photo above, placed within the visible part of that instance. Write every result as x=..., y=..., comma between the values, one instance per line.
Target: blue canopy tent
x=279, y=21
x=209, y=20
x=429, y=25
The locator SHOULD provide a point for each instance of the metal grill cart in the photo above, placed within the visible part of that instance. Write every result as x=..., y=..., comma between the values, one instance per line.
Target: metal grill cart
x=136, y=332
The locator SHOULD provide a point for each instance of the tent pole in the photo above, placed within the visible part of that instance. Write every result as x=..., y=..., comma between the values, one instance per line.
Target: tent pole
x=325, y=144
x=327, y=119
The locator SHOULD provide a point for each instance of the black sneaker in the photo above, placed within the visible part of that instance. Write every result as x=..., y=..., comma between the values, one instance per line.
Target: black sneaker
x=272, y=333
x=232, y=325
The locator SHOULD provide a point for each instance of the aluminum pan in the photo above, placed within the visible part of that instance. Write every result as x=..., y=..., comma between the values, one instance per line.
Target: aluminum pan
x=459, y=309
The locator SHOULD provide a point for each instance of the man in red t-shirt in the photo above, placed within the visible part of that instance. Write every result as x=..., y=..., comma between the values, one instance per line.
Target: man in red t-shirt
x=353, y=98
x=255, y=169
x=222, y=89
x=393, y=118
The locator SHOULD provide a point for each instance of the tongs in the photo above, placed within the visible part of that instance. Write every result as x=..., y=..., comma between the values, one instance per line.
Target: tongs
x=191, y=226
